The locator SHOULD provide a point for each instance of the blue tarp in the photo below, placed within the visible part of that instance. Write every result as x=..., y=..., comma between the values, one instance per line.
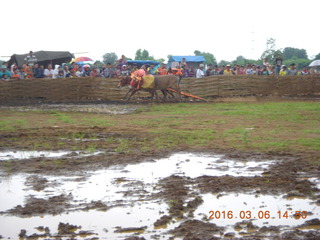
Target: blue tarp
x=139, y=63
x=196, y=59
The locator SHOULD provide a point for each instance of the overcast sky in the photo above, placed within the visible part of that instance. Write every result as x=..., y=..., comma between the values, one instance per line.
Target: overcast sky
x=226, y=29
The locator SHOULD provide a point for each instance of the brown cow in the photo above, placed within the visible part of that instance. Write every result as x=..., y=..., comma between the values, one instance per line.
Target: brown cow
x=162, y=82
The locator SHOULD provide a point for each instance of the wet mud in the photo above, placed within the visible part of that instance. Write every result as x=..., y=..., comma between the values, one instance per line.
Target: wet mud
x=157, y=194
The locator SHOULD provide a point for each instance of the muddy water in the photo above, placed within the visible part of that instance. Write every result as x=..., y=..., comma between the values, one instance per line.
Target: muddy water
x=123, y=196
x=95, y=108
x=14, y=155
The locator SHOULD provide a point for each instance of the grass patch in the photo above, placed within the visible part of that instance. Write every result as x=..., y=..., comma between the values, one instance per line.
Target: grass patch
x=6, y=126
x=123, y=146
x=253, y=126
x=63, y=117
x=312, y=143
x=99, y=122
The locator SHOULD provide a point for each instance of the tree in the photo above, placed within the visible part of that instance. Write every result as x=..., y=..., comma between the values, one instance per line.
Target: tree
x=270, y=52
x=223, y=63
x=300, y=62
x=317, y=56
x=138, y=55
x=209, y=57
x=109, y=58
x=290, y=52
x=99, y=63
x=143, y=55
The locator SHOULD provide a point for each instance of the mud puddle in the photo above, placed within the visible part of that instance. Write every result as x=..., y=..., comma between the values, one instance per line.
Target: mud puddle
x=112, y=109
x=15, y=155
x=234, y=210
x=123, y=201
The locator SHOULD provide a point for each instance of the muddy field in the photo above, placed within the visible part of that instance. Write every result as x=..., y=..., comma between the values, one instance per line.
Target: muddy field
x=64, y=180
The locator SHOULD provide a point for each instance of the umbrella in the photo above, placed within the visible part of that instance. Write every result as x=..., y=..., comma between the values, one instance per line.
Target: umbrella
x=82, y=59
x=315, y=63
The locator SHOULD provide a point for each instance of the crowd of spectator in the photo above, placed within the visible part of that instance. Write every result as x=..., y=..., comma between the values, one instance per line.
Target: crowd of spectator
x=31, y=69
x=251, y=69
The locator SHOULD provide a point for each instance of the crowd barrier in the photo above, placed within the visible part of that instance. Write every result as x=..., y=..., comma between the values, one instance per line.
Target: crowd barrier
x=106, y=89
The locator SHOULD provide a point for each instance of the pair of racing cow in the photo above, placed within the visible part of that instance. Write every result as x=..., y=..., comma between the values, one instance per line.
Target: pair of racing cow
x=139, y=80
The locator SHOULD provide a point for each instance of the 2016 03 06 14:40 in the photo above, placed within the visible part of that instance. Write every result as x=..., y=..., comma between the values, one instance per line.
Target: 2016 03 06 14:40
x=257, y=215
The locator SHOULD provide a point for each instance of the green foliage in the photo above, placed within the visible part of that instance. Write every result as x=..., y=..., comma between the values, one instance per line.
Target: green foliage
x=270, y=50
x=242, y=61
x=289, y=53
x=224, y=63
x=300, y=63
x=109, y=58
x=143, y=55
x=317, y=56
x=209, y=57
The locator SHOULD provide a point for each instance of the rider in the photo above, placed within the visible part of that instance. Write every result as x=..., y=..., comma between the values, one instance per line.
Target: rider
x=137, y=77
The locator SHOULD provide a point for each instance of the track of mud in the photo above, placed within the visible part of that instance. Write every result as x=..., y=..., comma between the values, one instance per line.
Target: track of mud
x=107, y=194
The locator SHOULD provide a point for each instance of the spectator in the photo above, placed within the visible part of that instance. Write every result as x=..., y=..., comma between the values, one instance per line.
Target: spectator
x=60, y=74
x=258, y=70
x=185, y=71
x=283, y=71
x=15, y=74
x=228, y=70
x=271, y=70
x=87, y=71
x=292, y=70
x=21, y=73
x=74, y=66
x=264, y=70
x=122, y=61
x=305, y=71
x=79, y=71
x=162, y=70
x=249, y=69
x=73, y=74
x=135, y=68
x=56, y=70
x=5, y=77
x=31, y=59
x=37, y=71
x=222, y=70
x=241, y=70
x=66, y=72
x=28, y=71
x=278, y=63
x=313, y=70
x=13, y=67
x=255, y=70
x=215, y=70
x=200, y=72
x=183, y=63
x=152, y=69
x=125, y=71
x=95, y=65
x=6, y=64
x=107, y=73
x=94, y=73
x=103, y=67
x=117, y=72
x=209, y=70
x=266, y=63
x=48, y=72
x=192, y=72
x=6, y=72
